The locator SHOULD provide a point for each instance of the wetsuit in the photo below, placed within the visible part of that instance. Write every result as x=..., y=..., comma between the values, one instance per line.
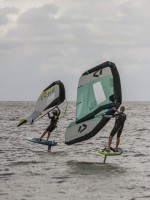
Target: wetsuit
x=119, y=124
x=53, y=123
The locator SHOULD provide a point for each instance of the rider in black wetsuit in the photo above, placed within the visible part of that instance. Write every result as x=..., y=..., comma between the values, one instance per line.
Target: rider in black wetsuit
x=119, y=124
x=53, y=123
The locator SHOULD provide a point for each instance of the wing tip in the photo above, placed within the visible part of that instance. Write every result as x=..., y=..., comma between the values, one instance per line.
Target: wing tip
x=22, y=121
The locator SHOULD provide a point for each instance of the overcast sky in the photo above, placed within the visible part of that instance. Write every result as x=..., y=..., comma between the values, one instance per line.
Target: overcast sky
x=42, y=41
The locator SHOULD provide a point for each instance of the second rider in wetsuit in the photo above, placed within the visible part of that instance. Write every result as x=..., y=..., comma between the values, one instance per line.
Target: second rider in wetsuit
x=118, y=127
x=53, y=123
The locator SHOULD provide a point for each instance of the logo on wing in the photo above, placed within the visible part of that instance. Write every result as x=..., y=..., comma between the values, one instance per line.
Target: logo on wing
x=97, y=73
x=82, y=128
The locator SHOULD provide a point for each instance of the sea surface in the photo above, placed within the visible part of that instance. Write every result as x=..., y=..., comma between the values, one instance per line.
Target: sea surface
x=77, y=172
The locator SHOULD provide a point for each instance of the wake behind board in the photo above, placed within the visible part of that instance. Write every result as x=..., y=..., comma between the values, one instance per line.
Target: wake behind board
x=44, y=142
x=111, y=153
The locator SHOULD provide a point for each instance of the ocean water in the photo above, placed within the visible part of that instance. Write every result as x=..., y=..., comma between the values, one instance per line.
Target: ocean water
x=29, y=172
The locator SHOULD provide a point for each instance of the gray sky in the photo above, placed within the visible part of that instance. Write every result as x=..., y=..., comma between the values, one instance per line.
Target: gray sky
x=48, y=40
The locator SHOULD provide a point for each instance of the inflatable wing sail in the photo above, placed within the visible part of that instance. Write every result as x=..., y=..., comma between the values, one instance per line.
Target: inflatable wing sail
x=99, y=90
x=53, y=95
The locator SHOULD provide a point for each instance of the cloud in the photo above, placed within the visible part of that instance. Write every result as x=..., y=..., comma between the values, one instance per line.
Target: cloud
x=4, y=13
x=63, y=38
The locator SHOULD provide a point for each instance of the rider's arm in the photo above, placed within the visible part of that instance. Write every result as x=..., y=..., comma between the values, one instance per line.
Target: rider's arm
x=114, y=115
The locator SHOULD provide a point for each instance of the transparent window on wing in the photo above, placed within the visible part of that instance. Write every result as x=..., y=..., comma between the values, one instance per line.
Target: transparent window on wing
x=99, y=93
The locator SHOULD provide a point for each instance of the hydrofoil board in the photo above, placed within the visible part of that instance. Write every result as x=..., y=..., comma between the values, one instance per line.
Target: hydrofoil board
x=111, y=153
x=44, y=142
